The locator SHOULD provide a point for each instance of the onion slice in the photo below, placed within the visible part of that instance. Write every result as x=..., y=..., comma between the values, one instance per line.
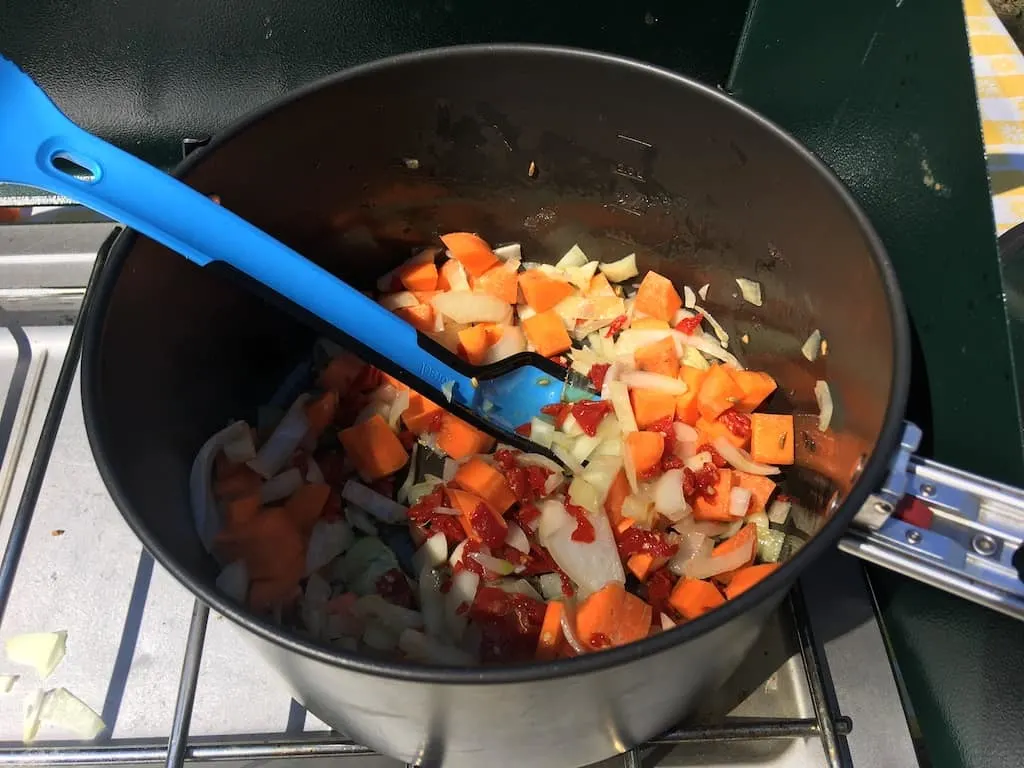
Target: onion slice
x=723, y=337
x=739, y=501
x=619, y=395
x=383, y=508
x=654, y=381
x=623, y=269
x=512, y=342
x=741, y=460
x=824, y=397
x=689, y=297
x=703, y=568
x=281, y=444
x=751, y=291
x=812, y=346
x=471, y=307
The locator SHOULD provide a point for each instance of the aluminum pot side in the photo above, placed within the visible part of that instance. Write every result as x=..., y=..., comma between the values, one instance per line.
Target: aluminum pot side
x=356, y=170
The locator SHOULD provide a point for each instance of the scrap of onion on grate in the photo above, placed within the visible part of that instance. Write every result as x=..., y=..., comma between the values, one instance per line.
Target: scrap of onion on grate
x=42, y=651
x=823, y=395
x=751, y=291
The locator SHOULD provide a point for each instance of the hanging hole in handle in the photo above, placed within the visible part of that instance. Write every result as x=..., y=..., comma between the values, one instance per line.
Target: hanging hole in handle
x=77, y=168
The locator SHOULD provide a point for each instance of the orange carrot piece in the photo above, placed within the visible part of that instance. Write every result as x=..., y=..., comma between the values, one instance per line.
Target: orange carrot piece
x=498, y=281
x=612, y=614
x=692, y=377
x=645, y=449
x=374, y=449
x=481, y=478
x=617, y=493
x=467, y=504
x=771, y=438
x=718, y=393
x=339, y=374
x=421, y=413
x=709, y=430
x=305, y=506
x=473, y=343
x=459, y=440
x=446, y=277
x=599, y=286
x=686, y=408
x=747, y=577
x=268, y=544
x=650, y=406
x=425, y=297
x=744, y=537
x=494, y=332
x=717, y=507
x=541, y=291
x=659, y=357
x=622, y=526
x=657, y=297
x=471, y=251
x=419, y=316
x=419, y=277
x=756, y=387
x=320, y=413
x=550, y=632
x=695, y=597
x=241, y=510
x=761, y=489
x=234, y=481
x=643, y=564
x=547, y=333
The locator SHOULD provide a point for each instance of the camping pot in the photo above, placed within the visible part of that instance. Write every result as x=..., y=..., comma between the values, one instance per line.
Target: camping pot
x=547, y=147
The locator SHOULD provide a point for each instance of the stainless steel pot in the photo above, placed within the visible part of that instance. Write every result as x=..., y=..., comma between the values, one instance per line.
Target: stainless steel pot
x=355, y=170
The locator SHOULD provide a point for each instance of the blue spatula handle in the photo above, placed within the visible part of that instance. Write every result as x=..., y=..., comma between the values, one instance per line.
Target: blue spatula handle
x=34, y=135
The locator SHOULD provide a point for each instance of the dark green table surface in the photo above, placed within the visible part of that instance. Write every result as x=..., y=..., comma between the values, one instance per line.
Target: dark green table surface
x=880, y=89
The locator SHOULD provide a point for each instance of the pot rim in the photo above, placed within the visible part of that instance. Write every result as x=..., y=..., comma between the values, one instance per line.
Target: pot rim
x=871, y=477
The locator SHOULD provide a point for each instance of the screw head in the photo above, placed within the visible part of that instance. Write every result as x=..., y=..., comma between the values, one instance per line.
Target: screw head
x=913, y=537
x=983, y=544
x=883, y=507
x=927, y=489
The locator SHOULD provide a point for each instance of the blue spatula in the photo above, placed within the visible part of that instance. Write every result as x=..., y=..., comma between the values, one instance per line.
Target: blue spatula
x=41, y=147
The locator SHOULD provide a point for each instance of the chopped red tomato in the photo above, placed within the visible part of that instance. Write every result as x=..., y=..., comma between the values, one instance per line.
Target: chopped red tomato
x=636, y=540
x=526, y=514
x=716, y=457
x=617, y=325
x=422, y=514
x=487, y=527
x=597, y=373
x=510, y=624
x=735, y=422
x=659, y=589
x=590, y=413
x=524, y=429
x=560, y=412
x=689, y=325
x=394, y=587
x=599, y=640
x=584, y=532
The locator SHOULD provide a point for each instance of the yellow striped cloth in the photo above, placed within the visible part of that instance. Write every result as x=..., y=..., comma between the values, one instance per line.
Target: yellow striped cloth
x=999, y=75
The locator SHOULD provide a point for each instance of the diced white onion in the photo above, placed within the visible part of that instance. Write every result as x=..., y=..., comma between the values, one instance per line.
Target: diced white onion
x=823, y=395
x=431, y=603
x=806, y=520
x=551, y=586
x=274, y=454
x=398, y=407
x=723, y=337
x=574, y=257
x=812, y=346
x=240, y=447
x=512, y=342
x=689, y=298
x=703, y=568
x=233, y=581
x=600, y=474
x=708, y=346
x=419, y=490
x=565, y=456
x=361, y=521
x=639, y=507
x=739, y=501
x=741, y=460
x=582, y=275
x=619, y=395
x=692, y=546
x=698, y=460
x=383, y=508
x=42, y=651
x=669, y=501
x=666, y=623
x=509, y=252
x=327, y=540
x=205, y=512
x=684, y=432
x=464, y=586
x=449, y=469
x=30, y=719
x=583, y=494
x=493, y=564
x=432, y=553
x=778, y=511
x=420, y=647
x=399, y=300
x=515, y=537
x=706, y=527
x=281, y=486
x=751, y=290
x=542, y=432
x=569, y=309
x=539, y=460
x=653, y=381
x=470, y=307
x=623, y=269
x=7, y=682
x=703, y=291
x=315, y=475
x=392, y=616
x=63, y=709
x=402, y=494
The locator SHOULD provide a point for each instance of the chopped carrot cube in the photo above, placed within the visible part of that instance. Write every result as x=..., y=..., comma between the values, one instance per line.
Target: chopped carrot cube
x=541, y=291
x=459, y=439
x=747, y=577
x=419, y=316
x=645, y=449
x=771, y=438
x=657, y=297
x=650, y=406
x=481, y=478
x=418, y=277
x=695, y=597
x=547, y=333
x=471, y=251
x=550, y=632
x=659, y=357
x=718, y=393
x=473, y=343
x=375, y=450
x=498, y=281
x=717, y=507
x=761, y=489
x=305, y=506
x=617, y=494
x=614, y=615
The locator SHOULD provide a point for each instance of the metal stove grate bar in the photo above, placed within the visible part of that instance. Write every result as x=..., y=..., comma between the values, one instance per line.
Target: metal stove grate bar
x=827, y=723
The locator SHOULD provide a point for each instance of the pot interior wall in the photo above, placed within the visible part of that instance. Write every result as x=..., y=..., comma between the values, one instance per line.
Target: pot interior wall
x=361, y=170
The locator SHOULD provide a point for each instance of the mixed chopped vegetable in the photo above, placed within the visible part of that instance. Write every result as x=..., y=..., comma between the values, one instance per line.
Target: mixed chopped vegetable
x=367, y=517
